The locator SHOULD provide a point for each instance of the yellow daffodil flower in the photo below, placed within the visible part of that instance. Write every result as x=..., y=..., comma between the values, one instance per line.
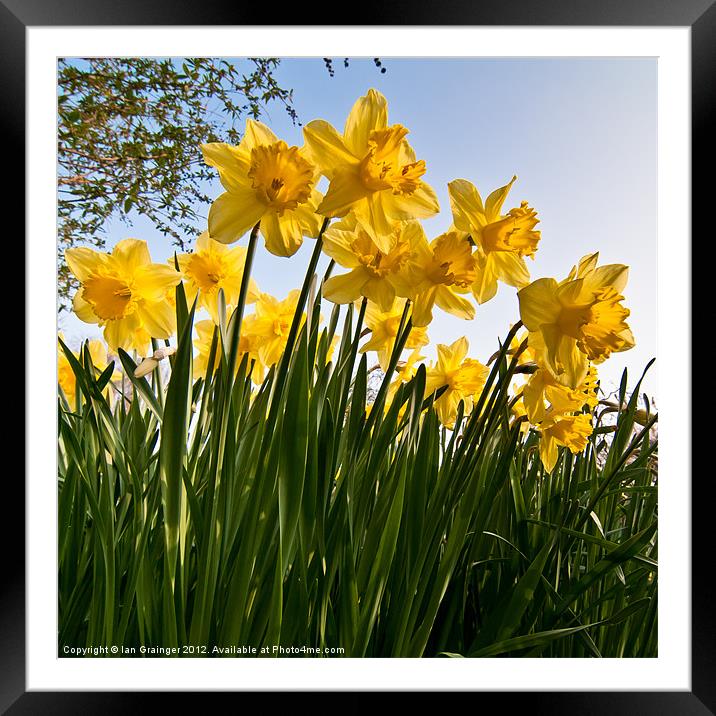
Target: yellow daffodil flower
x=502, y=241
x=213, y=266
x=570, y=431
x=124, y=292
x=384, y=327
x=66, y=376
x=464, y=378
x=543, y=393
x=205, y=335
x=372, y=170
x=269, y=326
x=266, y=181
x=376, y=275
x=578, y=320
x=441, y=272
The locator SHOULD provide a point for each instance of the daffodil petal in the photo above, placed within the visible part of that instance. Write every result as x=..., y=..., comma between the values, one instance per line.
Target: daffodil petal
x=533, y=397
x=158, y=318
x=345, y=288
x=368, y=113
x=586, y=264
x=466, y=203
x=548, y=452
x=152, y=282
x=485, y=285
x=614, y=275
x=83, y=310
x=234, y=258
x=130, y=255
x=231, y=163
x=538, y=303
x=283, y=235
x=233, y=214
x=204, y=242
x=256, y=134
x=454, y=304
x=120, y=333
x=628, y=337
x=459, y=349
x=563, y=358
x=337, y=244
x=494, y=202
x=421, y=204
x=306, y=216
x=510, y=268
x=326, y=147
x=344, y=191
x=372, y=216
x=423, y=307
x=83, y=261
x=380, y=291
x=574, y=292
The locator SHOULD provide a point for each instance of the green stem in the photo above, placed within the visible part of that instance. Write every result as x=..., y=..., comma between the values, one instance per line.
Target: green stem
x=296, y=323
x=238, y=315
x=282, y=366
x=329, y=271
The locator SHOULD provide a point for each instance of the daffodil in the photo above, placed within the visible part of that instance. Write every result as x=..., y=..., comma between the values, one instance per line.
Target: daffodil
x=154, y=361
x=579, y=320
x=205, y=336
x=124, y=292
x=66, y=376
x=266, y=181
x=543, y=393
x=269, y=326
x=372, y=170
x=384, y=326
x=213, y=266
x=440, y=273
x=376, y=275
x=570, y=431
x=502, y=241
x=464, y=377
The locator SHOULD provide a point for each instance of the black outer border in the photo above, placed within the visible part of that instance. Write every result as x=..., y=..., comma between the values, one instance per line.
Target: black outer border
x=700, y=15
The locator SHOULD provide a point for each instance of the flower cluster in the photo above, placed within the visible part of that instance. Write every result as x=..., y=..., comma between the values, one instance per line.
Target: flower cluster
x=376, y=196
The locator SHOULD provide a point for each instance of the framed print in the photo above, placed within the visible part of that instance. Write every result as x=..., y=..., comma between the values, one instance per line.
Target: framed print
x=341, y=346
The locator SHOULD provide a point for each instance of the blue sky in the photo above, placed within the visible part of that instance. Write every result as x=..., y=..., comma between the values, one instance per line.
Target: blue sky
x=580, y=134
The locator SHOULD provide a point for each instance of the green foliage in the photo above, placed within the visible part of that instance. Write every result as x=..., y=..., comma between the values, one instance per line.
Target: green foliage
x=209, y=514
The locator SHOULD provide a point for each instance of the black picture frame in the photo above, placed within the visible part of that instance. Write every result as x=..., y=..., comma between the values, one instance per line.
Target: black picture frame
x=699, y=15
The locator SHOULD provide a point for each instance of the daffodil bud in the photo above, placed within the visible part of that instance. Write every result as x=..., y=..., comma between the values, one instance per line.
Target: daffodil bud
x=149, y=364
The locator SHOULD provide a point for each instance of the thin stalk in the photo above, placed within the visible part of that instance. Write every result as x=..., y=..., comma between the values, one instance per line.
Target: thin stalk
x=238, y=315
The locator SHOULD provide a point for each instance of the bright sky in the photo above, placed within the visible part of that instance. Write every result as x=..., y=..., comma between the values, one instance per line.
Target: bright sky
x=579, y=133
